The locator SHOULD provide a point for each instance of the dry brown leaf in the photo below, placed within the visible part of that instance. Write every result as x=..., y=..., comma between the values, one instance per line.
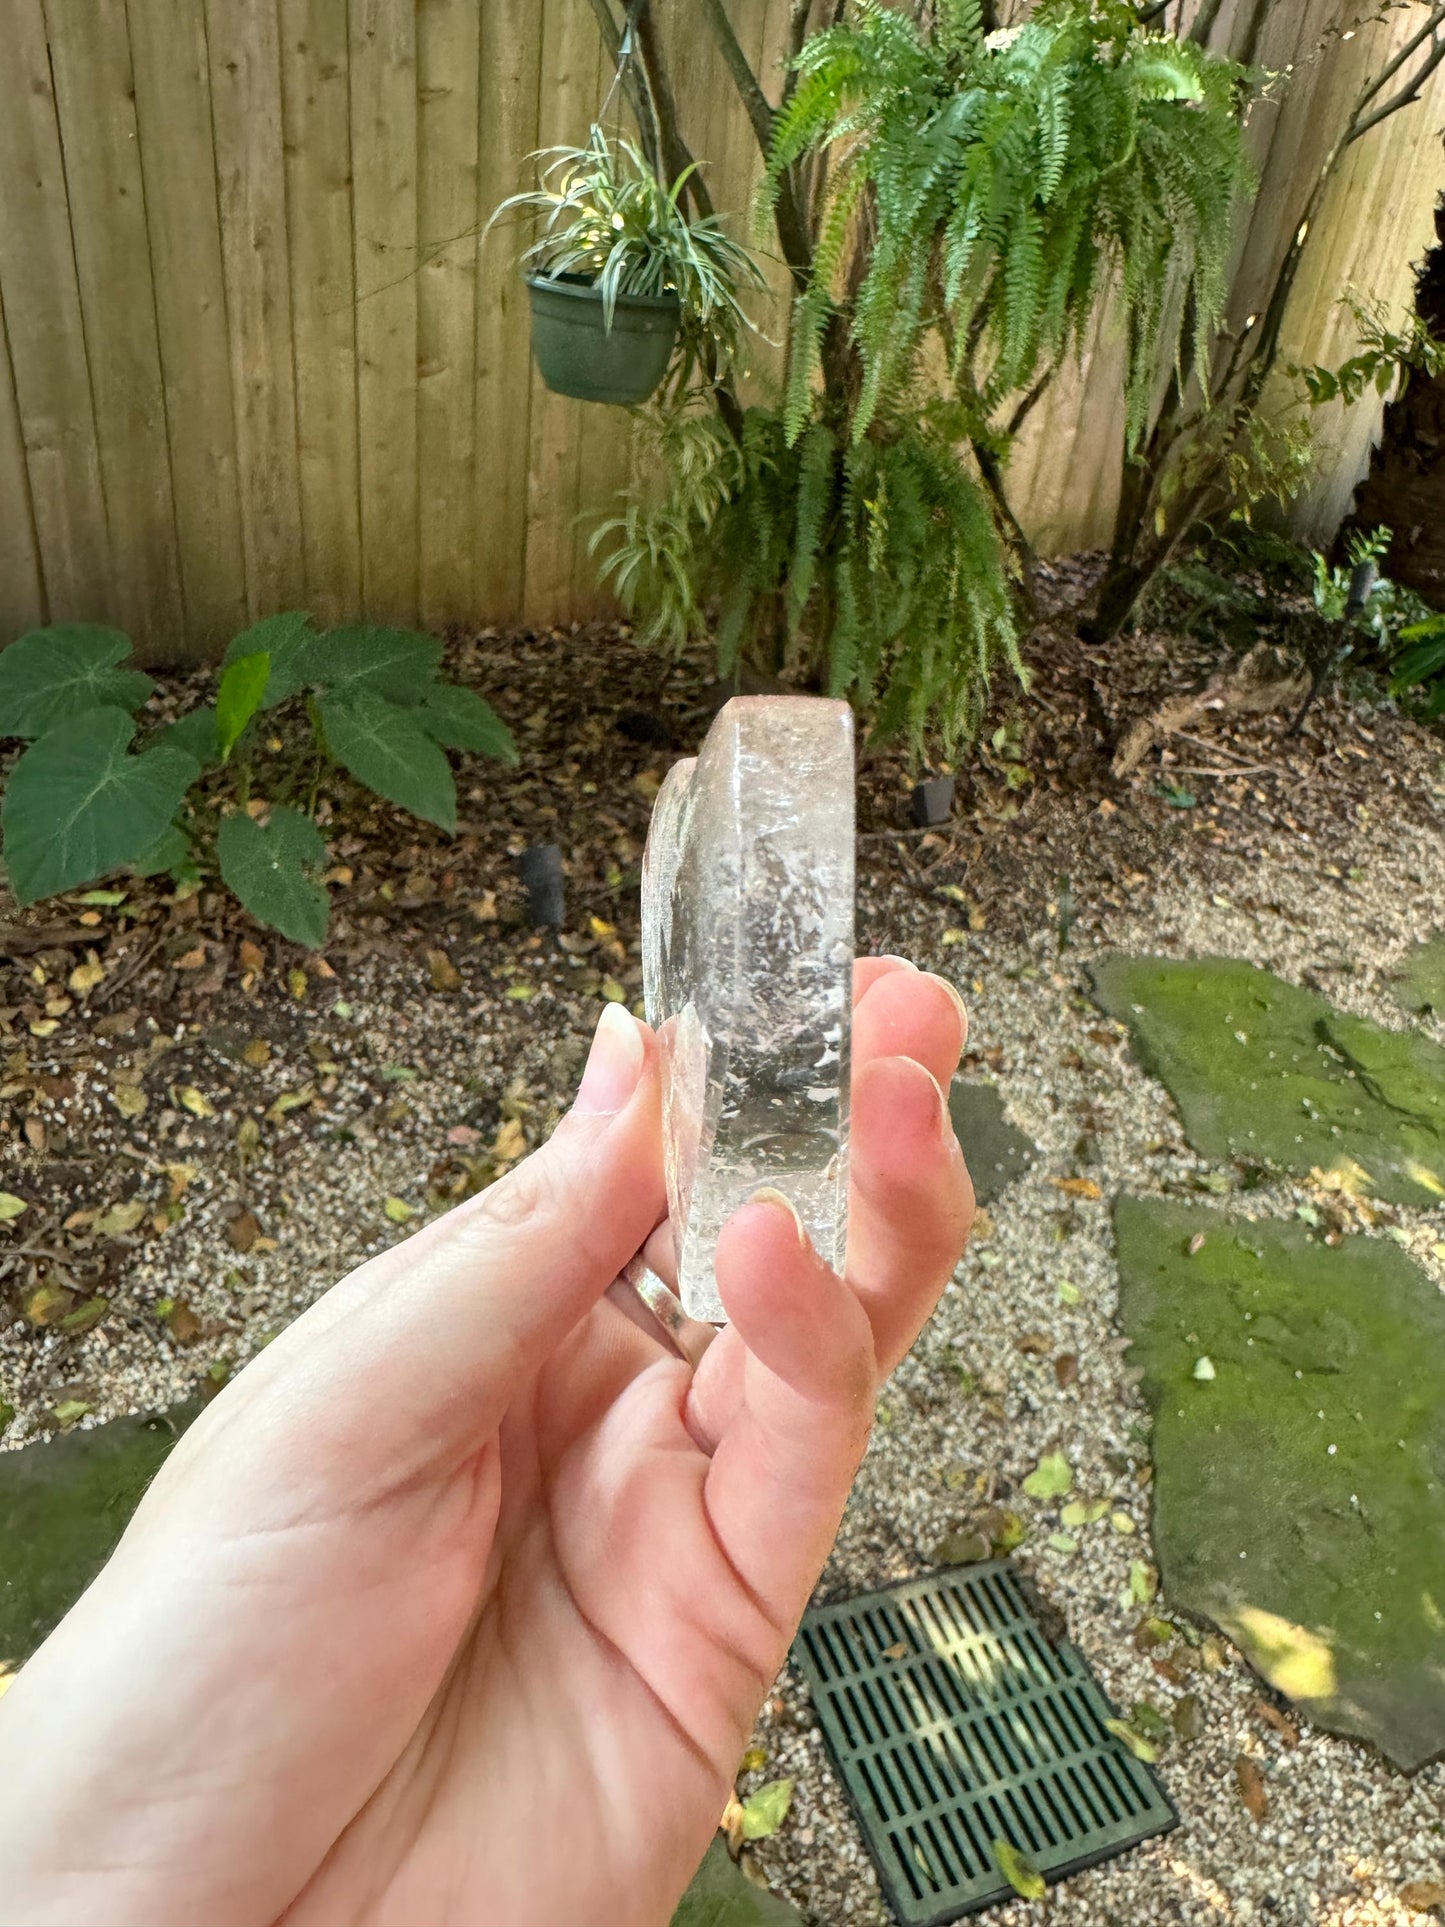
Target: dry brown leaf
x=129, y=1099
x=1421, y=1896
x=243, y=1230
x=252, y=957
x=442, y=971
x=87, y=975
x=192, y=959
x=182, y=1323
x=1077, y=1187
x=510, y=1141
x=1250, y=1777
x=257, y=1053
x=1281, y=1722
x=35, y=1132
x=1066, y=1370
x=48, y=1305
x=1036, y=1344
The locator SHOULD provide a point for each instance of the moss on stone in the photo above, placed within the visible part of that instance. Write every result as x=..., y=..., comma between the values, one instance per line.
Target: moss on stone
x=1300, y=1490
x=997, y=1153
x=1420, y=984
x=1267, y=1072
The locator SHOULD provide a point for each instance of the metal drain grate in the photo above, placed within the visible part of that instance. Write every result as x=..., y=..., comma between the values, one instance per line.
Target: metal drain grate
x=954, y=1723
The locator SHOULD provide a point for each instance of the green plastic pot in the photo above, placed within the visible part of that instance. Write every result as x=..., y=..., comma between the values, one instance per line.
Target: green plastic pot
x=576, y=352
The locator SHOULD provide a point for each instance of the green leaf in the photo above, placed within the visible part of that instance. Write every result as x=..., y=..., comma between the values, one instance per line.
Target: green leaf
x=54, y=674
x=239, y=697
x=389, y=662
x=384, y=748
x=721, y=1895
x=11, y=1206
x=461, y=719
x=271, y=868
x=71, y=1409
x=170, y=853
x=765, y=1811
x=289, y=642
x=1135, y=1742
x=1051, y=1478
x=195, y=733
x=1019, y=1871
x=79, y=804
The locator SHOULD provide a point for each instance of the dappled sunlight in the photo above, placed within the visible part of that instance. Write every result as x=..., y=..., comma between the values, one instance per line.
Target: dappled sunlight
x=1298, y=1663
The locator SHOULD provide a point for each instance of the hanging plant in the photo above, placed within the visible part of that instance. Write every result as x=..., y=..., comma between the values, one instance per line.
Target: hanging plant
x=623, y=285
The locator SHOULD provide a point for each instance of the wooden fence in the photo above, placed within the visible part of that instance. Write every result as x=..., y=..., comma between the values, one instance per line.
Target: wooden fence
x=255, y=355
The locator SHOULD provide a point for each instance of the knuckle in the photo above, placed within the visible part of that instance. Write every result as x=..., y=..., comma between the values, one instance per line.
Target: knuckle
x=530, y=1192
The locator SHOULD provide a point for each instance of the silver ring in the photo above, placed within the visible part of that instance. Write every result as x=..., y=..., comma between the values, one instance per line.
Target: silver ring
x=688, y=1337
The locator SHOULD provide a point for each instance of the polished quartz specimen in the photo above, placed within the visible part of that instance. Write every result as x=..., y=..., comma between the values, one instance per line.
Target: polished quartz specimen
x=747, y=932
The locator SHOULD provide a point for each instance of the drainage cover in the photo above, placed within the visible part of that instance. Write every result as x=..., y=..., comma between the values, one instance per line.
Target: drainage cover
x=955, y=1724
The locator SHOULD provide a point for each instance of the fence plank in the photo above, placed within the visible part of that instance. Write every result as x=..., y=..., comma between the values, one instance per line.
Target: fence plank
x=448, y=70
x=245, y=64
x=23, y=603
x=177, y=159
x=47, y=339
x=90, y=60
x=383, y=169
x=511, y=77
x=315, y=94
x=569, y=100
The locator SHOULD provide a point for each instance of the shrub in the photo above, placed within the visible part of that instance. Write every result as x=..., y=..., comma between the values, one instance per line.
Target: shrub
x=86, y=797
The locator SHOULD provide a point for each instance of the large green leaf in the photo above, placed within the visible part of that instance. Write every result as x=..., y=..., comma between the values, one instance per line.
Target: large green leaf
x=289, y=641
x=389, y=662
x=52, y=674
x=721, y=1895
x=272, y=868
x=461, y=719
x=243, y=686
x=170, y=853
x=80, y=805
x=385, y=748
x=195, y=733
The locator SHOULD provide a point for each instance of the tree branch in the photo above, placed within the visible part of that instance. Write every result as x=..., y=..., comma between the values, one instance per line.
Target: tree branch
x=793, y=237
x=1407, y=96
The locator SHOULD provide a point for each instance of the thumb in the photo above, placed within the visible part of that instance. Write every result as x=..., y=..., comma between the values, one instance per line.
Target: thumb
x=417, y=1354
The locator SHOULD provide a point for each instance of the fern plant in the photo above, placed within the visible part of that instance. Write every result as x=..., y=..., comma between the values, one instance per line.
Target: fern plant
x=972, y=192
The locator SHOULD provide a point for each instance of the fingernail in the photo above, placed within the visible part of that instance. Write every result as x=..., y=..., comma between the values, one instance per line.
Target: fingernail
x=614, y=1063
x=952, y=990
x=768, y=1195
x=945, y=1117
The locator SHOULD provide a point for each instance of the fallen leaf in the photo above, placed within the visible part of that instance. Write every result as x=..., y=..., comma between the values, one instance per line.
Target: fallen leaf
x=765, y=1811
x=1035, y=1344
x=71, y=1409
x=442, y=971
x=48, y=1304
x=1196, y=1243
x=1051, y=1478
x=248, y=1137
x=179, y=1175
x=510, y=1141
x=1083, y=1512
x=1063, y=1542
x=613, y=991
x=242, y=1231
x=898, y=1650
x=962, y=1549
x=11, y=1207
x=398, y=1210
x=86, y=976
x=1281, y=1722
x=296, y=982
x=193, y=959
x=1068, y=1294
x=86, y=1315
x=256, y=1053
x=731, y=1824
x=1066, y=1370
x=1420, y=1896
x=290, y=1101
x=121, y=1219
x=129, y=1099
x=600, y=928
x=196, y=1102
x=1019, y=1871
x=1122, y=1522
x=1077, y=1187
x=44, y=1026
x=252, y=957
x=106, y=899
x=484, y=907
x=1141, y=1748
x=1251, y=1787
x=1204, y=1370
x=35, y=1133
x=519, y=993
x=1143, y=1582
x=1187, y=1717
x=182, y=1323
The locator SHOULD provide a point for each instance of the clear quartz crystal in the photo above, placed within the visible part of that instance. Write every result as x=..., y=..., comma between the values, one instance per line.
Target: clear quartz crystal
x=747, y=933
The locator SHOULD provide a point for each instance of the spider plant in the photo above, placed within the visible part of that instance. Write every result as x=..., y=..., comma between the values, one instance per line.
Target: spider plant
x=602, y=216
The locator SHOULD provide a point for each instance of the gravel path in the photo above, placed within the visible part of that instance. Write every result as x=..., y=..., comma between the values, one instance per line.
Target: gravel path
x=414, y=1090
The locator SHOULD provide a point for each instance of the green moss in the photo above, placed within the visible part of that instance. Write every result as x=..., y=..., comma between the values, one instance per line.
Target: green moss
x=1267, y=1072
x=1420, y=984
x=64, y=1503
x=1326, y=1566
x=996, y=1152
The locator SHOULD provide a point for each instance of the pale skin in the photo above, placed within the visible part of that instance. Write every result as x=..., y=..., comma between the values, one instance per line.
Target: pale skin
x=457, y=1607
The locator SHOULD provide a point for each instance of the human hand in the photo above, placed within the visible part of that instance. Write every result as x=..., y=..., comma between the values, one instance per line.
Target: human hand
x=458, y=1604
